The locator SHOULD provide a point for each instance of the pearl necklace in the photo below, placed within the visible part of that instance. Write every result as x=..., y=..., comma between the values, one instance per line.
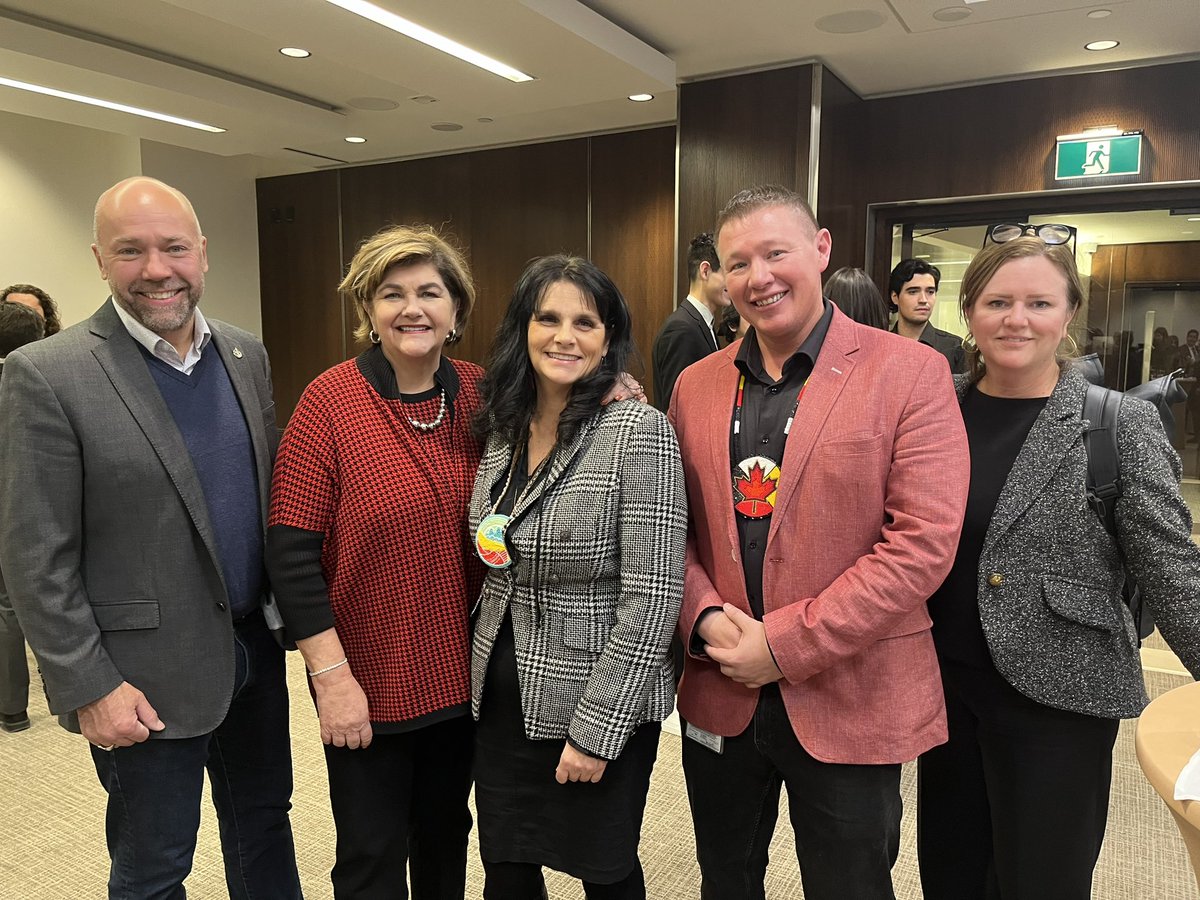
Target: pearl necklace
x=429, y=426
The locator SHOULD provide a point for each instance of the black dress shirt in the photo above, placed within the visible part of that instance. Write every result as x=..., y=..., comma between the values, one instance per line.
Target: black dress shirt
x=766, y=405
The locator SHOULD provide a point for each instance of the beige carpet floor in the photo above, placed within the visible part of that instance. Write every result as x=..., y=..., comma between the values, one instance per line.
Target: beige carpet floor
x=52, y=839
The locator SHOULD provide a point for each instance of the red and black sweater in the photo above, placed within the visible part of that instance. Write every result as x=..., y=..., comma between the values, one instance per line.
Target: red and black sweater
x=367, y=533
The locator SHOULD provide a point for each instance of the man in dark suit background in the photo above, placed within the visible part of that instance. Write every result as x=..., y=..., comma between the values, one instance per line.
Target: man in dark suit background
x=689, y=333
x=19, y=326
x=913, y=288
x=138, y=446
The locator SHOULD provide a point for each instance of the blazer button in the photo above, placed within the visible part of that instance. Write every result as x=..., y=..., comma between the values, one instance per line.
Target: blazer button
x=995, y=579
x=553, y=578
x=221, y=605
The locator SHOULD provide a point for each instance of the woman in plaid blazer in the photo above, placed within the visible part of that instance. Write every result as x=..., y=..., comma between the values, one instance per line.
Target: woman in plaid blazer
x=579, y=510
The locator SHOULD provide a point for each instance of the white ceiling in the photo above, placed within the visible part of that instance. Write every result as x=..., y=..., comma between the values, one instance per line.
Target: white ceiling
x=217, y=61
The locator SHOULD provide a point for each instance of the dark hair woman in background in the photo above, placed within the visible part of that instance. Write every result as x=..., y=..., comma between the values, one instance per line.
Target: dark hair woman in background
x=373, y=575
x=580, y=512
x=857, y=296
x=1039, y=653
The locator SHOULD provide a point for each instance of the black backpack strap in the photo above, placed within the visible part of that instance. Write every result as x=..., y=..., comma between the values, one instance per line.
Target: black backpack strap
x=1100, y=409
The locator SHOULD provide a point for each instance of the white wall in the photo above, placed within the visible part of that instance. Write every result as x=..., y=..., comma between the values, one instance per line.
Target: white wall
x=222, y=191
x=50, y=177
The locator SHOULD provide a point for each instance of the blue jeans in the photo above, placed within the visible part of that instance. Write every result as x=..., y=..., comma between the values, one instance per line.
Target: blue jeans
x=846, y=817
x=154, y=790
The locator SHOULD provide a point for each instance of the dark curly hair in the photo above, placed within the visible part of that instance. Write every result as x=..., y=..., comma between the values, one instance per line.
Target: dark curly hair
x=49, y=308
x=509, y=389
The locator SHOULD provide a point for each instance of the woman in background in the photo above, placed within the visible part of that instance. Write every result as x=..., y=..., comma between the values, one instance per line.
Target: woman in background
x=580, y=513
x=857, y=296
x=1038, y=650
x=373, y=576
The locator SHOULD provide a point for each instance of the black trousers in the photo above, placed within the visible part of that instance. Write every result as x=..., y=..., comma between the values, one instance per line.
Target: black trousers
x=846, y=817
x=524, y=881
x=403, y=800
x=1015, y=804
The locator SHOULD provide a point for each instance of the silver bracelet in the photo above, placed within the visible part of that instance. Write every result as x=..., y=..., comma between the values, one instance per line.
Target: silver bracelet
x=328, y=668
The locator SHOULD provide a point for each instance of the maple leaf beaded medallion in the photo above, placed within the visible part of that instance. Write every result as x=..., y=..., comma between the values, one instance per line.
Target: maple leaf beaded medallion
x=755, y=480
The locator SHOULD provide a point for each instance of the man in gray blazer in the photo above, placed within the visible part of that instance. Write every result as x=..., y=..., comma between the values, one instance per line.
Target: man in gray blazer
x=138, y=448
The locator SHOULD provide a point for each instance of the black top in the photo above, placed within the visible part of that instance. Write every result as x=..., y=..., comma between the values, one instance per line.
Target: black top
x=766, y=405
x=945, y=343
x=996, y=431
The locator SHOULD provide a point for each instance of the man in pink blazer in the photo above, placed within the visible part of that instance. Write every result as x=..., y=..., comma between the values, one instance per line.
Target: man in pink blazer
x=827, y=472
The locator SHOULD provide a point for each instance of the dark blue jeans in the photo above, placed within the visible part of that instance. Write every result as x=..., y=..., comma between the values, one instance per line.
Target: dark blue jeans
x=154, y=790
x=846, y=817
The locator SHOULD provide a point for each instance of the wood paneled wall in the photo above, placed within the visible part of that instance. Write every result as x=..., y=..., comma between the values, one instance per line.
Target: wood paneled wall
x=300, y=265
x=613, y=196
x=633, y=226
x=999, y=138
x=736, y=133
x=610, y=197
x=842, y=150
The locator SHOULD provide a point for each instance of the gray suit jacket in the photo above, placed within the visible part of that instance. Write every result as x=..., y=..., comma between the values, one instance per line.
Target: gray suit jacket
x=596, y=588
x=105, y=538
x=1050, y=576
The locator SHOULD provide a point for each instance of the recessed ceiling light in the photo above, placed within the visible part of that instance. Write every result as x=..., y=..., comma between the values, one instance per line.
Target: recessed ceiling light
x=446, y=126
x=355, y=139
x=485, y=120
x=430, y=38
x=1099, y=14
x=851, y=21
x=952, y=14
x=108, y=104
x=295, y=52
x=424, y=99
x=641, y=98
x=1101, y=45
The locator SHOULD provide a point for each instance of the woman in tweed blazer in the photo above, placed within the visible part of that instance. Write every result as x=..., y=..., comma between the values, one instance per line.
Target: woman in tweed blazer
x=1039, y=652
x=580, y=510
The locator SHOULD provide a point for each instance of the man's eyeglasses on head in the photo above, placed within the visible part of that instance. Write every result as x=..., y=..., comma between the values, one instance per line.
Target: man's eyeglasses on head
x=1050, y=233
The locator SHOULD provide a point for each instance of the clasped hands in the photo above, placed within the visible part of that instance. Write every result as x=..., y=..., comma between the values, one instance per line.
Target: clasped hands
x=738, y=643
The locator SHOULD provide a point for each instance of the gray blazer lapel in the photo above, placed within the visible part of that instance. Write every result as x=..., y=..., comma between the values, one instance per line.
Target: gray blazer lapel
x=242, y=376
x=1056, y=430
x=125, y=367
x=558, y=465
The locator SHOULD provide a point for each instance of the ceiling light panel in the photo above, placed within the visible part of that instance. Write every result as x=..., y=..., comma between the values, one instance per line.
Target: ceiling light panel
x=108, y=104
x=403, y=26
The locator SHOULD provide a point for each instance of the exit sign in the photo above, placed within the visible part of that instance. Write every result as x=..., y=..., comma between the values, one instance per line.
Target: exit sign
x=1088, y=157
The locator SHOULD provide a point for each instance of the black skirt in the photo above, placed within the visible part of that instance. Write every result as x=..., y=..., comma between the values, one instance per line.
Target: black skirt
x=589, y=831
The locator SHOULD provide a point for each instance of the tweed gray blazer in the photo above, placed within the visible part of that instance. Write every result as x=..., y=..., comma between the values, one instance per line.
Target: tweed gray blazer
x=105, y=539
x=597, y=582
x=1050, y=576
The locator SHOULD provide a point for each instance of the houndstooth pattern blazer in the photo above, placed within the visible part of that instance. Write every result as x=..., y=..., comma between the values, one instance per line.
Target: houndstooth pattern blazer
x=1050, y=575
x=597, y=580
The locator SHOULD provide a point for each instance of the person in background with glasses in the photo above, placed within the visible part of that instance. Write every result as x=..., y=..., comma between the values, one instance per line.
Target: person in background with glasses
x=1039, y=653
x=913, y=286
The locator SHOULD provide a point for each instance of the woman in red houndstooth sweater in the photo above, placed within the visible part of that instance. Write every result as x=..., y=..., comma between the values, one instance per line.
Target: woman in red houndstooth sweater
x=368, y=561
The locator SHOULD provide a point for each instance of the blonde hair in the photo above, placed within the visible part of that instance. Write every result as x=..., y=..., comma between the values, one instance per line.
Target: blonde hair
x=987, y=263
x=407, y=245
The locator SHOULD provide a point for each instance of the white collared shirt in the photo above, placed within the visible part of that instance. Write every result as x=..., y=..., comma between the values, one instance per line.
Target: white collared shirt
x=161, y=348
x=709, y=318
